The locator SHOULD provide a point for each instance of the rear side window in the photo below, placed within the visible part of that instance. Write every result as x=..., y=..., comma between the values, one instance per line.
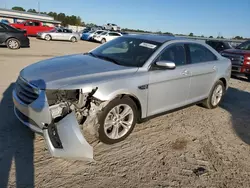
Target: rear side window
x=199, y=54
x=114, y=34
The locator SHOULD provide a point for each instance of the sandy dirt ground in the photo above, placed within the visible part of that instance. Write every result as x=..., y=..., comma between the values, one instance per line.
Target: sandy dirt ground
x=193, y=147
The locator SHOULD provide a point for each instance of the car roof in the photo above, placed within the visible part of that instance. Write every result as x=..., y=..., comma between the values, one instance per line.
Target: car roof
x=154, y=37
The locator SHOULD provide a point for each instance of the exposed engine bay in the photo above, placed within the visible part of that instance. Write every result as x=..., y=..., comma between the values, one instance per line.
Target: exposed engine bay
x=84, y=106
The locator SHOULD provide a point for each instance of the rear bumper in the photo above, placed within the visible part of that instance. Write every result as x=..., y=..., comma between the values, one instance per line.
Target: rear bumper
x=25, y=42
x=68, y=142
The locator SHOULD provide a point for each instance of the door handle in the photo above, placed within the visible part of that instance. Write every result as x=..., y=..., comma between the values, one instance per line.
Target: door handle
x=185, y=72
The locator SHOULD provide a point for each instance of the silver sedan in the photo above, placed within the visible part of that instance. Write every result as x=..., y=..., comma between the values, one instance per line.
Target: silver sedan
x=59, y=34
x=109, y=89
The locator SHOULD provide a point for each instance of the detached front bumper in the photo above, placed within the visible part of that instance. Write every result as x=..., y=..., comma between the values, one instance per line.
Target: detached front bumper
x=64, y=138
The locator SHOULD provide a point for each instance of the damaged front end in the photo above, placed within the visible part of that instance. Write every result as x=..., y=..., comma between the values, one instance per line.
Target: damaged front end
x=71, y=111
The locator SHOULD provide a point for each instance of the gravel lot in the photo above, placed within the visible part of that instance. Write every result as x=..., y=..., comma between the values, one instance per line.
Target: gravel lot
x=193, y=147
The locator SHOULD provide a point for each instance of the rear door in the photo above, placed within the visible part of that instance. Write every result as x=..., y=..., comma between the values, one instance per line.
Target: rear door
x=2, y=34
x=202, y=65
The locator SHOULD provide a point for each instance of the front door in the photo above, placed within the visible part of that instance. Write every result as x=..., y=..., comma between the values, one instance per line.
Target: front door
x=168, y=89
x=203, y=69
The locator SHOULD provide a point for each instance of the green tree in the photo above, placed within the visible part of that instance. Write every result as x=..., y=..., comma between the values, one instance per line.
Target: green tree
x=32, y=10
x=238, y=37
x=211, y=37
x=18, y=8
x=191, y=34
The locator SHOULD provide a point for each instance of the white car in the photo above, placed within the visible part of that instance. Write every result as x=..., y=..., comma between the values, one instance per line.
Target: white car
x=106, y=36
x=112, y=27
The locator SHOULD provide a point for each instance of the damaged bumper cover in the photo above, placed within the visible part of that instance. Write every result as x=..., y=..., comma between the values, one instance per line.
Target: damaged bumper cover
x=63, y=138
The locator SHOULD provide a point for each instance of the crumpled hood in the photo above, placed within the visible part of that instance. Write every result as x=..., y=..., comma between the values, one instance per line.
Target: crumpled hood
x=77, y=69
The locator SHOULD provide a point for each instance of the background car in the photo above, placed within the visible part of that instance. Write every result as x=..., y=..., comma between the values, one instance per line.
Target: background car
x=240, y=59
x=219, y=45
x=106, y=36
x=5, y=21
x=91, y=34
x=112, y=27
x=59, y=34
x=13, y=38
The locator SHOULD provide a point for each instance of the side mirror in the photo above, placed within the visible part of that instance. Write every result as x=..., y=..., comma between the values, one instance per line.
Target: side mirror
x=165, y=64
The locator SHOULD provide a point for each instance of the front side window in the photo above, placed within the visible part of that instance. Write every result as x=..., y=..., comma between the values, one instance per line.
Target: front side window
x=175, y=53
x=127, y=51
x=199, y=54
x=29, y=24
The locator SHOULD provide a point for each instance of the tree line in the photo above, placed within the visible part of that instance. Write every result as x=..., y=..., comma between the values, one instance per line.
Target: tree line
x=65, y=19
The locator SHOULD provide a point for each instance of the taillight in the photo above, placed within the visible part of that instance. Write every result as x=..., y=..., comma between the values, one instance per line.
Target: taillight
x=247, y=59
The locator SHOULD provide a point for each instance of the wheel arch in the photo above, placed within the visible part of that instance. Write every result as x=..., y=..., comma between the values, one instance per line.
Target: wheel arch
x=137, y=103
x=123, y=94
x=224, y=81
x=10, y=38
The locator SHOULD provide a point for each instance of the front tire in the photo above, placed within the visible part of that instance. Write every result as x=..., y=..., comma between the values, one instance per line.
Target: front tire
x=47, y=37
x=215, y=96
x=13, y=44
x=117, y=120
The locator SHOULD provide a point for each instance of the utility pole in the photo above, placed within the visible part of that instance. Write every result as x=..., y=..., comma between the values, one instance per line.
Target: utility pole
x=38, y=4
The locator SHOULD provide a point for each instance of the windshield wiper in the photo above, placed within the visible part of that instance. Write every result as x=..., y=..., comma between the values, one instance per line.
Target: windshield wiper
x=108, y=59
x=103, y=57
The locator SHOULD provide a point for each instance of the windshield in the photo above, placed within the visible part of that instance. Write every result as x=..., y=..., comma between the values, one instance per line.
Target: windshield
x=126, y=51
x=244, y=46
x=114, y=24
x=99, y=32
x=91, y=31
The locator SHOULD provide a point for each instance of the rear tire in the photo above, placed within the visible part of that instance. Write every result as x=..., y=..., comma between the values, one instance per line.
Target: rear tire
x=13, y=44
x=103, y=41
x=47, y=37
x=215, y=95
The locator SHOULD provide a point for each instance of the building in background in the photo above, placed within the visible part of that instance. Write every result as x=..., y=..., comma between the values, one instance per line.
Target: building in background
x=14, y=16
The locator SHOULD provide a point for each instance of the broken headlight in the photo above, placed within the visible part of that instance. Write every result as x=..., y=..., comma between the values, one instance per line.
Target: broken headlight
x=60, y=101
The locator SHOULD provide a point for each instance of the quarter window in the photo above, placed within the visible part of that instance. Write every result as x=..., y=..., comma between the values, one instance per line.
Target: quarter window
x=175, y=53
x=199, y=54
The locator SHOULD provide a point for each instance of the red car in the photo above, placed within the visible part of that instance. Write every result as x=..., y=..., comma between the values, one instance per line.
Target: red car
x=32, y=27
x=240, y=58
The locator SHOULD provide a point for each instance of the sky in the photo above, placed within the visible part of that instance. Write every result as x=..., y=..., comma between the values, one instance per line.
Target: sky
x=228, y=18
